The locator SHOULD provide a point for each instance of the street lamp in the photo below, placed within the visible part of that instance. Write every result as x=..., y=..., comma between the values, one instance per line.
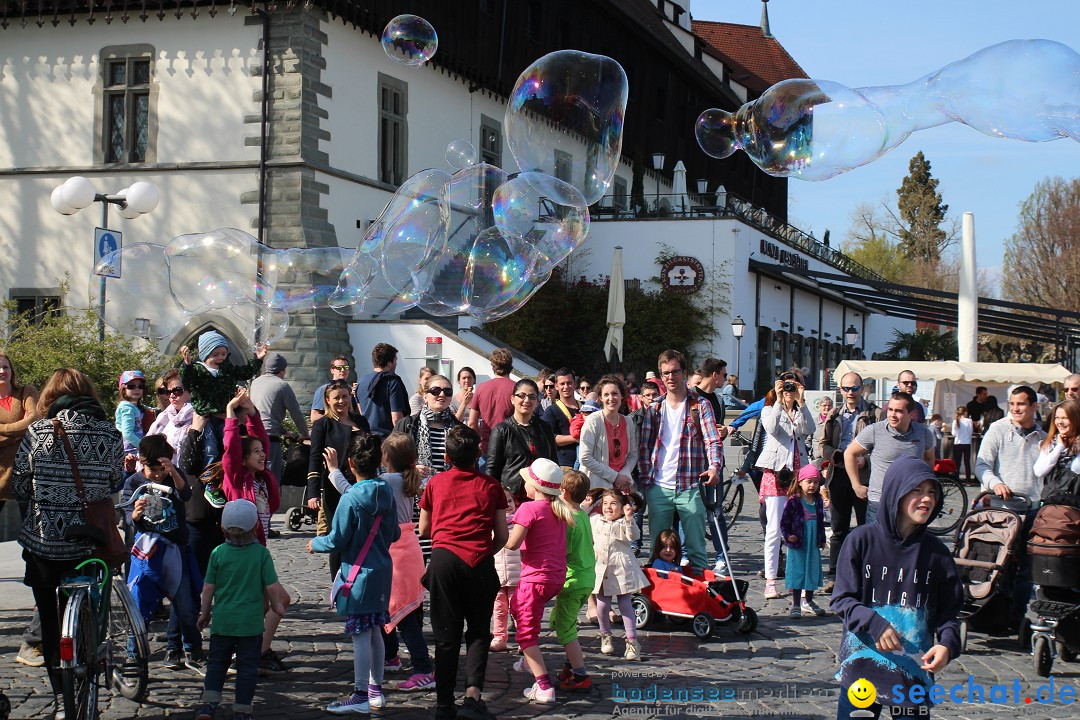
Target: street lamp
x=77, y=193
x=738, y=327
x=851, y=335
x=702, y=186
x=658, y=165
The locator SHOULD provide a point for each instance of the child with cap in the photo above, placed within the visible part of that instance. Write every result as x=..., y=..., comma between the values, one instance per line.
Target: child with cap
x=240, y=580
x=802, y=528
x=132, y=417
x=540, y=532
x=212, y=383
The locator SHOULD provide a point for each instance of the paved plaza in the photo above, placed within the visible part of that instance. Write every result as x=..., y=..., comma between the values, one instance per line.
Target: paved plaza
x=782, y=670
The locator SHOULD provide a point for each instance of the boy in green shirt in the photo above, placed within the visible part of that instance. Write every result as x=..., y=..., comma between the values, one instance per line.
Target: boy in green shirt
x=240, y=580
x=580, y=577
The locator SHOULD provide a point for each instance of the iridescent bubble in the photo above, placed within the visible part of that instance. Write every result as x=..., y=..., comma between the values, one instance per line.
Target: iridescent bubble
x=515, y=303
x=137, y=303
x=497, y=269
x=416, y=194
x=414, y=241
x=460, y=154
x=409, y=40
x=353, y=283
x=565, y=118
x=815, y=129
x=220, y=269
x=307, y=277
x=552, y=229
x=258, y=323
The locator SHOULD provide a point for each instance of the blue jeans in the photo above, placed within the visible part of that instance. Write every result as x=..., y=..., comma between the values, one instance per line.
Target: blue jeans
x=412, y=632
x=247, y=651
x=184, y=612
x=871, y=511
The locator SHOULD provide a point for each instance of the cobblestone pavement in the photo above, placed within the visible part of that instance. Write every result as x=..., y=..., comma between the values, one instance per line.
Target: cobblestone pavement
x=783, y=669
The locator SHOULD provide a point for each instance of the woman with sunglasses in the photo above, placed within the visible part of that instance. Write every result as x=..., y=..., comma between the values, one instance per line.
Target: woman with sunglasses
x=174, y=419
x=335, y=429
x=428, y=427
x=519, y=440
x=133, y=418
x=466, y=379
x=609, y=441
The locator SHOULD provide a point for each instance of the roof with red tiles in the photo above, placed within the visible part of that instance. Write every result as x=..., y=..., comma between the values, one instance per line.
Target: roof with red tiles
x=764, y=58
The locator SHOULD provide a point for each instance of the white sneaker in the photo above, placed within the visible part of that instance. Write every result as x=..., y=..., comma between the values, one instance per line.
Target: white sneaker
x=809, y=607
x=633, y=650
x=521, y=665
x=537, y=695
x=721, y=568
x=607, y=644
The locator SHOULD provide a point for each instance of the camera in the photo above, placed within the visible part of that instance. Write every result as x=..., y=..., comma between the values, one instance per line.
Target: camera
x=789, y=386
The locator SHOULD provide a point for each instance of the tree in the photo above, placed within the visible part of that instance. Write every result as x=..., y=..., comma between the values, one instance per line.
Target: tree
x=922, y=344
x=921, y=213
x=869, y=243
x=40, y=343
x=1042, y=258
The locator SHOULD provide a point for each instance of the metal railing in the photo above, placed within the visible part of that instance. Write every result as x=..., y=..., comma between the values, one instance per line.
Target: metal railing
x=676, y=207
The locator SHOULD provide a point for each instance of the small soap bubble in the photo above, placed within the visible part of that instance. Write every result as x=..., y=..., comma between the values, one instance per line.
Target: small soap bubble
x=409, y=40
x=460, y=154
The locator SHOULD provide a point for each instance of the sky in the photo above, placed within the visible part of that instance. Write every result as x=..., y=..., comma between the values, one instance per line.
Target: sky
x=867, y=43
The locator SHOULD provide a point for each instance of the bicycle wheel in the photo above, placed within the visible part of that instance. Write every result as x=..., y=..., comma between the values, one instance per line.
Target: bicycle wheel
x=128, y=648
x=733, y=500
x=79, y=673
x=953, y=509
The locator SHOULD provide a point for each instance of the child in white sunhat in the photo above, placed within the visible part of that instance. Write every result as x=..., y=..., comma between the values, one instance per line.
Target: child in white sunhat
x=240, y=579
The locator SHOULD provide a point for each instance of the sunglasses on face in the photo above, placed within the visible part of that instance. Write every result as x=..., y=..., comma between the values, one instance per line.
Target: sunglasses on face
x=851, y=388
x=136, y=386
x=552, y=387
x=178, y=390
x=907, y=382
x=437, y=391
x=618, y=447
x=339, y=367
x=583, y=388
x=525, y=397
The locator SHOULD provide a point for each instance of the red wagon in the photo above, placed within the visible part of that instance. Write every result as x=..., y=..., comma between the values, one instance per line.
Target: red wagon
x=705, y=601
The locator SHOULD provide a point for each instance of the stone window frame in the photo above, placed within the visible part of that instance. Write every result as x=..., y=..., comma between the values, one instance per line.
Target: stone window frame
x=620, y=193
x=38, y=301
x=564, y=166
x=108, y=56
x=389, y=119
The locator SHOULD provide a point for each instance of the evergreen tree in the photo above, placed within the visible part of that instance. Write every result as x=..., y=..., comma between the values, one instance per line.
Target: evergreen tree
x=921, y=213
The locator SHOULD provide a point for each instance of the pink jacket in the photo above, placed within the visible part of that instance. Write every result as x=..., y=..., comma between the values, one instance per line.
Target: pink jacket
x=239, y=482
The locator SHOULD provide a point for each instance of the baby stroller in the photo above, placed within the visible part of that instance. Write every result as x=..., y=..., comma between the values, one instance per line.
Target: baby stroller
x=705, y=601
x=986, y=556
x=1053, y=619
x=295, y=475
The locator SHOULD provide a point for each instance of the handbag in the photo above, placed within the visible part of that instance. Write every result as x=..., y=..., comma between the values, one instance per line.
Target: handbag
x=98, y=516
x=784, y=476
x=343, y=584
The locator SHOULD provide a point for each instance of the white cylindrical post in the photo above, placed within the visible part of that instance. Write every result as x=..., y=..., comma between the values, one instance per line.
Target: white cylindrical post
x=967, y=322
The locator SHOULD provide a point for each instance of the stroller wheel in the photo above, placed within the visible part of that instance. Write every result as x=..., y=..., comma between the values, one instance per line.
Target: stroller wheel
x=747, y=621
x=703, y=625
x=294, y=518
x=1065, y=653
x=963, y=636
x=1042, y=657
x=643, y=612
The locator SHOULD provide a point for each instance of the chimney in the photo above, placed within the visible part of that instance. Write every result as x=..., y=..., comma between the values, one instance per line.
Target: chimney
x=765, y=19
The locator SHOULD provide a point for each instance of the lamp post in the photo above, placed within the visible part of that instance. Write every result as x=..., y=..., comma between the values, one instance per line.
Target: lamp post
x=702, y=186
x=658, y=165
x=738, y=327
x=77, y=193
x=851, y=335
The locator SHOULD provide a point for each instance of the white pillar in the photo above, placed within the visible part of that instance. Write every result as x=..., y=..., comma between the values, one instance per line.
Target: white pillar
x=967, y=323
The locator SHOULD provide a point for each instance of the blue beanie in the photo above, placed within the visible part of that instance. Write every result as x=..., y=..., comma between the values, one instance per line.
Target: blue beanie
x=210, y=341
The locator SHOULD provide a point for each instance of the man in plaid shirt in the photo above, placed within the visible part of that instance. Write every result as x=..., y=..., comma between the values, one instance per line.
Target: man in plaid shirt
x=679, y=446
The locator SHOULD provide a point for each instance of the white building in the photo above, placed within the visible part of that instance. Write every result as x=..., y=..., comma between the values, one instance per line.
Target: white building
x=213, y=102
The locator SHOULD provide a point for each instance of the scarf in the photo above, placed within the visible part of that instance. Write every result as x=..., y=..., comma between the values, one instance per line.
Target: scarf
x=77, y=403
x=423, y=435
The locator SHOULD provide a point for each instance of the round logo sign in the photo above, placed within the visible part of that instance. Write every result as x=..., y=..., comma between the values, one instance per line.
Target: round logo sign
x=682, y=275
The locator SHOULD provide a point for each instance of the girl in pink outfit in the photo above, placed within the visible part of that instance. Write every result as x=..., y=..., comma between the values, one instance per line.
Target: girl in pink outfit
x=248, y=478
x=540, y=532
x=508, y=566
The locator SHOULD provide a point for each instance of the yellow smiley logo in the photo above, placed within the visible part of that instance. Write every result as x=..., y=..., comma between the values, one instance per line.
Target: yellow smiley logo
x=862, y=693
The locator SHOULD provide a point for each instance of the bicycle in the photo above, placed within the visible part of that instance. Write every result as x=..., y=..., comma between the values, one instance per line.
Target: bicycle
x=102, y=633
x=954, y=506
x=733, y=492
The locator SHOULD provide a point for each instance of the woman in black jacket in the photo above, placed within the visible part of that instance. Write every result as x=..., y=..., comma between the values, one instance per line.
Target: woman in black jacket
x=519, y=439
x=428, y=427
x=333, y=430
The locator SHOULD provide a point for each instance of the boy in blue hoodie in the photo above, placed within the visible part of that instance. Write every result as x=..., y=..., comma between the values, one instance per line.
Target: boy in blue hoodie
x=898, y=593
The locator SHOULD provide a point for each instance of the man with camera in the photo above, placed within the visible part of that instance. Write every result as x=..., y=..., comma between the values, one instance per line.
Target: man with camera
x=896, y=436
x=842, y=425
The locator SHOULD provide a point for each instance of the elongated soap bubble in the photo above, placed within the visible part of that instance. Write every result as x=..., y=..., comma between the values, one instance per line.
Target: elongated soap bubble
x=515, y=302
x=497, y=269
x=814, y=129
x=460, y=154
x=426, y=186
x=565, y=119
x=220, y=269
x=140, y=293
x=307, y=277
x=257, y=323
x=409, y=40
x=553, y=224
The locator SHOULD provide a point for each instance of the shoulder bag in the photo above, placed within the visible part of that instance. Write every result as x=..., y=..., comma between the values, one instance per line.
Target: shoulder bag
x=343, y=586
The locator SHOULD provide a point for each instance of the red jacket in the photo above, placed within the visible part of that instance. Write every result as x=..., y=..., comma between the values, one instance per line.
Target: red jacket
x=239, y=482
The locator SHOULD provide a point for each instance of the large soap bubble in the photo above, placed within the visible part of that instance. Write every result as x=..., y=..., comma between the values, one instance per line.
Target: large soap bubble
x=565, y=119
x=814, y=129
x=220, y=269
x=497, y=269
x=409, y=40
x=258, y=323
x=307, y=277
x=514, y=303
x=137, y=303
x=552, y=229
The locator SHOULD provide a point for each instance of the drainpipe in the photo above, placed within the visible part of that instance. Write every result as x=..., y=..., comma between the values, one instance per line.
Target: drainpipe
x=263, y=121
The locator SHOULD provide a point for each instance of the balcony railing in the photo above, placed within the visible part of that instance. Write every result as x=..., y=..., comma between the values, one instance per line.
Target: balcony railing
x=676, y=207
